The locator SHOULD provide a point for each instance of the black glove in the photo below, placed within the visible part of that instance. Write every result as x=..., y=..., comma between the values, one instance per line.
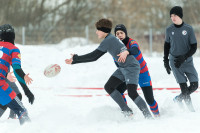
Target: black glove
x=167, y=67
x=30, y=96
x=179, y=60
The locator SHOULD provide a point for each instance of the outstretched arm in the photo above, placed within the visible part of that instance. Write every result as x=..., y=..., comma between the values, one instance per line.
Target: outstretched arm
x=93, y=56
x=23, y=80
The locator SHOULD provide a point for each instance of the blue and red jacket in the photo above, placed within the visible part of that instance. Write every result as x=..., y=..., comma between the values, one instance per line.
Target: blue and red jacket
x=143, y=65
x=9, y=55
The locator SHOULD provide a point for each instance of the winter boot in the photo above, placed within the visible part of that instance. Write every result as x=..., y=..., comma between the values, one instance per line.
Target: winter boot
x=23, y=118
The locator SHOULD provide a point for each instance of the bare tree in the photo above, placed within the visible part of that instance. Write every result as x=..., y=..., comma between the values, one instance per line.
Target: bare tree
x=49, y=21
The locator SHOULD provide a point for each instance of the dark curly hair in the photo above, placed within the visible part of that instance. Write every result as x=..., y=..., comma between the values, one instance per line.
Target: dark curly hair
x=104, y=23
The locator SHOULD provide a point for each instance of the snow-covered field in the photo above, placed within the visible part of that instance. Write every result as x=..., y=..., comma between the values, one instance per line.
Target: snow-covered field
x=55, y=112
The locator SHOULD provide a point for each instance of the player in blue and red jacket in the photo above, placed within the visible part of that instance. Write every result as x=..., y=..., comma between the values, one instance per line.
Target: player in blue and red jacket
x=10, y=79
x=144, y=76
x=10, y=56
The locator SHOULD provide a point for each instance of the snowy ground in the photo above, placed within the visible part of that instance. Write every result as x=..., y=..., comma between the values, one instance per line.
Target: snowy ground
x=54, y=112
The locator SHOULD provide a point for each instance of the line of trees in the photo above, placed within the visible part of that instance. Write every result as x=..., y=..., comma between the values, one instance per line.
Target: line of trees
x=49, y=21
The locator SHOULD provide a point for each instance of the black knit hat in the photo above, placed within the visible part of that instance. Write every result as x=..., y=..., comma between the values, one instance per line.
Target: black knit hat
x=7, y=33
x=120, y=27
x=177, y=10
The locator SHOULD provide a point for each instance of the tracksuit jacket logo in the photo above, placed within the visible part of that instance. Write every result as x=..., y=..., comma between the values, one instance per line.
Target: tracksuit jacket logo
x=184, y=32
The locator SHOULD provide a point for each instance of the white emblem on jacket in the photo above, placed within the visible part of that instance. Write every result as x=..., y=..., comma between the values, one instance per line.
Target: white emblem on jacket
x=184, y=32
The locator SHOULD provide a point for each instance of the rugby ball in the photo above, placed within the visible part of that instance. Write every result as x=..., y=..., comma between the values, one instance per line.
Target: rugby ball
x=52, y=70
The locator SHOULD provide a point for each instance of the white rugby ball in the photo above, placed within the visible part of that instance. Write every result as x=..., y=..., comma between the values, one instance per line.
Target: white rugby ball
x=52, y=70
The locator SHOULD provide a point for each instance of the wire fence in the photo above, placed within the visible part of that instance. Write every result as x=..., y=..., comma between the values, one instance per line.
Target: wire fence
x=40, y=36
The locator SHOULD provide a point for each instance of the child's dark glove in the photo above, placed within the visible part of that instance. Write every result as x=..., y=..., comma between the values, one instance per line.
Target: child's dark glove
x=30, y=96
x=179, y=60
